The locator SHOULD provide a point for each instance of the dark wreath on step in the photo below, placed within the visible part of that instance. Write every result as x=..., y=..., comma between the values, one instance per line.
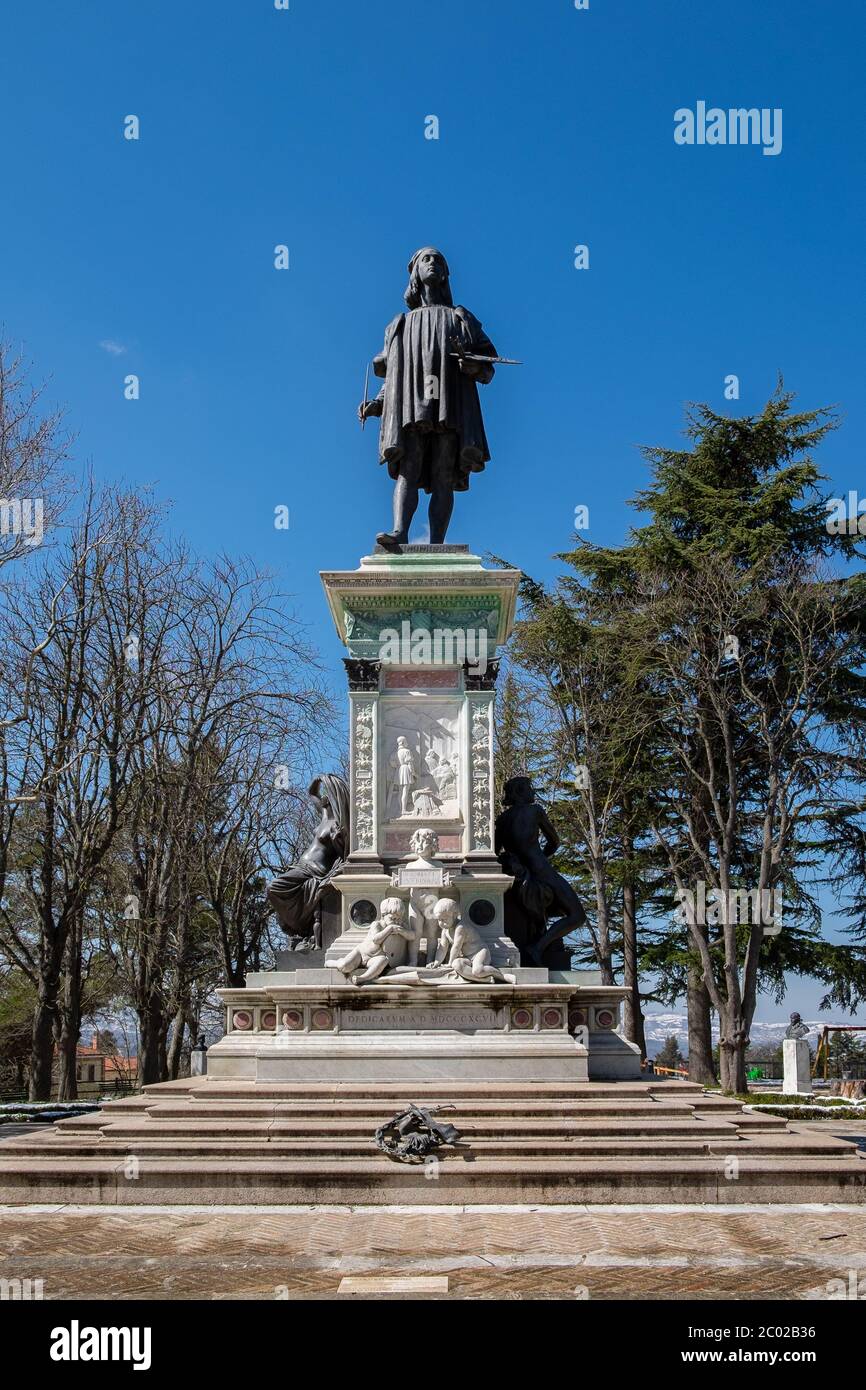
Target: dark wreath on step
x=413, y=1134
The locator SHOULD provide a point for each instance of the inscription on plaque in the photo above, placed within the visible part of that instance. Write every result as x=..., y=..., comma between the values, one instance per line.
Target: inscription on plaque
x=407, y=1020
x=420, y=878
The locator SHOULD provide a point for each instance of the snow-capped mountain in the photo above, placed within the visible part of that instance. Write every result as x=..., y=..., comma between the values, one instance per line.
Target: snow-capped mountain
x=661, y=1026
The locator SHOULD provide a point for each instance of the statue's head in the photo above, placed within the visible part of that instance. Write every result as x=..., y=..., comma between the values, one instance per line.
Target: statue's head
x=795, y=1018
x=392, y=909
x=424, y=843
x=329, y=794
x=428, y=279
x=518, y=792
x=446, y=911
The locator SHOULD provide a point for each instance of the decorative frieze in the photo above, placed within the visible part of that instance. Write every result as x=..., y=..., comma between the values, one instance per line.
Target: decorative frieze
x=481, y=767
x=363, y=775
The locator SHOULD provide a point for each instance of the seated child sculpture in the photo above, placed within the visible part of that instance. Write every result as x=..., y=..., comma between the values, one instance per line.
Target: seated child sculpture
x=462, y=947
x=382, y=948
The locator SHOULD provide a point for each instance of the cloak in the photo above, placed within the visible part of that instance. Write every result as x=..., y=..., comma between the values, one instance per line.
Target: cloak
x=416, y=353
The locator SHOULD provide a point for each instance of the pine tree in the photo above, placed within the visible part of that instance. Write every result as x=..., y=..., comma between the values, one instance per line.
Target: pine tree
x=740, y=507
x=670, y=1054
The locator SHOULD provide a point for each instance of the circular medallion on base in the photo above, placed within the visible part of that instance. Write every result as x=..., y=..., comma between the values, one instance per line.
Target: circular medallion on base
x=482, y=912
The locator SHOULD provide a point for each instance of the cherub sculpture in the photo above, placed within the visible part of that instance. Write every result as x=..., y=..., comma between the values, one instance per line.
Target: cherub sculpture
x=383, y=947
x=462, y=947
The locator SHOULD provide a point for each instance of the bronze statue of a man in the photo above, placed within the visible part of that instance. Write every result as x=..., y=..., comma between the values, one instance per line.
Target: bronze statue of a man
x=432, y=434
x=525, y=840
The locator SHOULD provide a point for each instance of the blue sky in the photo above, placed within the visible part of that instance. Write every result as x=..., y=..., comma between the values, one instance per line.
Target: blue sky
x=306, y=127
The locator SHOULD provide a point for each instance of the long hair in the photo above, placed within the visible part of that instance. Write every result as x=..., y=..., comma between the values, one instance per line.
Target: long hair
x=518, y=791
x=414, y=295
x=335, y=790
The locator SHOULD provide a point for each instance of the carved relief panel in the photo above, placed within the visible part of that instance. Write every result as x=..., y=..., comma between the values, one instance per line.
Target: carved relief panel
x=421, y=761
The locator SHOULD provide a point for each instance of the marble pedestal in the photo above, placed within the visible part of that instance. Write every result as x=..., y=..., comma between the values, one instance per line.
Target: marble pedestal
x=311, y=1025
x=596, y=1008
x=797, y=1067
x=423, y=628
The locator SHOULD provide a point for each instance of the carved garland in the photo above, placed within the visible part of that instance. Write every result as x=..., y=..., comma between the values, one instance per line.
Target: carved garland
x=481, y=775
x=363, y=772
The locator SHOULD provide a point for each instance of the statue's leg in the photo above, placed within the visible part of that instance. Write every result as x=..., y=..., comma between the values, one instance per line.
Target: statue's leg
x=350, y=962
x=405, y=489
x=574, y=917
x=442, y=461
x=375, y=967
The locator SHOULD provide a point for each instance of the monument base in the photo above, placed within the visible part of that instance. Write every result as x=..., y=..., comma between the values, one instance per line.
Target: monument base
x=312, y=1025
x=797, y=1067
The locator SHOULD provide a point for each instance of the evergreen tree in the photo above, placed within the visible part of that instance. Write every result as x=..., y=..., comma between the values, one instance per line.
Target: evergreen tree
x=739, y=510
x=670, y=1054
x=695, y=751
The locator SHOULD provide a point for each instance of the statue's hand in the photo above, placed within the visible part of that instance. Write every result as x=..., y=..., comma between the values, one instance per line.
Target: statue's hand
x=368, y=408
x=476, y=371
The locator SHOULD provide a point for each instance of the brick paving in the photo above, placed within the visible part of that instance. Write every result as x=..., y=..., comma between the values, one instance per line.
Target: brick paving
x=637, y=1252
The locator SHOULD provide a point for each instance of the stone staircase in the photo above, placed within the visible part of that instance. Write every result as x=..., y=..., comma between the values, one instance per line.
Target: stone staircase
x=205, y=1142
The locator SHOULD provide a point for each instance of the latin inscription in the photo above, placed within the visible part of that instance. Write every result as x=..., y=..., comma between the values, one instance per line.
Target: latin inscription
x=405, y=1020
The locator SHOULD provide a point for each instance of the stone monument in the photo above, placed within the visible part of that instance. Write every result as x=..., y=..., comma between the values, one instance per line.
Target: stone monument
x=403, y=965
x=796, y=1059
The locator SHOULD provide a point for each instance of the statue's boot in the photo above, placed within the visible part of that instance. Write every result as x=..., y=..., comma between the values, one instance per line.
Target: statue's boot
x=391, y=539
x=405, y=503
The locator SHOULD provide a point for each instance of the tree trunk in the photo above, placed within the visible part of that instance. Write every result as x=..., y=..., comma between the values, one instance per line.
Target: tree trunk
x=633, y=1022
x=701, y=1066
x=44, y=1019
x=67, y=1061
x=70, y=1019
x=603, y=952
x=176, y=1045
x=42, y=1048
x=151, y=1048
x=732, y=1055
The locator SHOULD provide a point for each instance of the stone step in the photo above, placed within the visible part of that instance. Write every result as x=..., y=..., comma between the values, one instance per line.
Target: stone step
x=670, y=1147
x=559, y=1108
x=197, y=1141
x=347, y=1126
x=199, y=1180
x=206, y=1089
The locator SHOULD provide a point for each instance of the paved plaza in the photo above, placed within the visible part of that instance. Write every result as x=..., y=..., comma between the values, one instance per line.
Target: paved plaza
x=739, y=1252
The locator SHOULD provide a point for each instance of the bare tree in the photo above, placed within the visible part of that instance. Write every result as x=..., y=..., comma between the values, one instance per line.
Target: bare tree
x=34, y=447
x=238, y=694
x=73, y=755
